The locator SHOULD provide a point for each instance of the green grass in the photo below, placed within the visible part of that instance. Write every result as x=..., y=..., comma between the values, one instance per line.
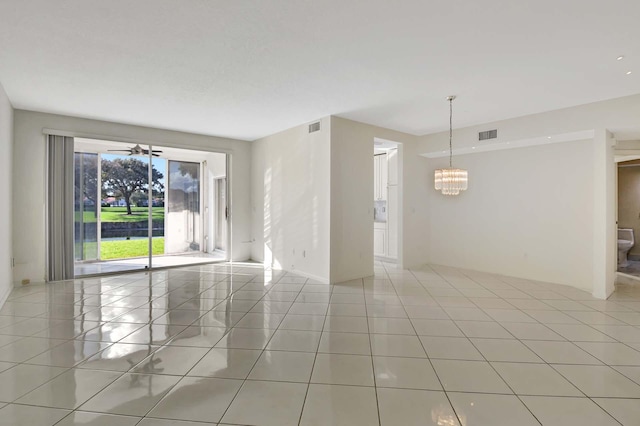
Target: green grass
x=89, y=250
x=119, y=214
x=123, y=249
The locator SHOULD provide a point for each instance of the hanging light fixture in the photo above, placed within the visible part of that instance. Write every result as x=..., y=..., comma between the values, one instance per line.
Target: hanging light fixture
x=451, y=181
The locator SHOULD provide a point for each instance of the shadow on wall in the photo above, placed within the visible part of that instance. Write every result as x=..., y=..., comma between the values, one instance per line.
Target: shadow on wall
x=291, y=208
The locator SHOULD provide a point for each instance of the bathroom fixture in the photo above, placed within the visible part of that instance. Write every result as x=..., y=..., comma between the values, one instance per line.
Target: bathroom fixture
x=451, y=181
x=626, y=241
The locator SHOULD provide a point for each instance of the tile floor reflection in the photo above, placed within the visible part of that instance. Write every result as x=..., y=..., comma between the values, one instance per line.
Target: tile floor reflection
x=240, y=345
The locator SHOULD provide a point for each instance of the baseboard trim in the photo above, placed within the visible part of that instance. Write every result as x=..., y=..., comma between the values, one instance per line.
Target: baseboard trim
x=623, y=278
x=305, y=274
x=352, y=277
x=386, y=259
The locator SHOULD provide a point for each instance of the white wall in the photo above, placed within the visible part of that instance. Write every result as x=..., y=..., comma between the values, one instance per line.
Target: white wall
x=216, y=165
x=527, y=213
x=351, y=201
x=605, y=234
x=417, y=186
x=597, y=273
x=620, y=116
x=6, y=147
x=29, y=179
x=313, y=193
x=291, y=200
x=352, y=196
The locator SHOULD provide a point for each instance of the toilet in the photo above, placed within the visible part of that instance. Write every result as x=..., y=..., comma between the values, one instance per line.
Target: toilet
x=625, y=242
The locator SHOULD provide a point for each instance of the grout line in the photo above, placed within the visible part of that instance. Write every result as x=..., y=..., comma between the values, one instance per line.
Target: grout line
x=587, y=396
x=498, y=374
x=262, y=350
x=315, y=358
x=435, y=372
x=171, y=387
x=373, y=367
x=551, y=366
x=228, y=272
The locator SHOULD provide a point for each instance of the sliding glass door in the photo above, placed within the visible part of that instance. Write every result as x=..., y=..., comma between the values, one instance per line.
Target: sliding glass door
x=184, y=222
x=128, y=203
x=112, y=211
x=86, y=206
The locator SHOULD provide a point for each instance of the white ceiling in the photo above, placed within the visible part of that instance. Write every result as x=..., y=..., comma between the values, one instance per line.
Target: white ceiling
x=247, y=69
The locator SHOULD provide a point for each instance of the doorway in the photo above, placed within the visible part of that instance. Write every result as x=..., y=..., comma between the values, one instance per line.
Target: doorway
x=628, y=220
x=386, y=204
x=139, y=207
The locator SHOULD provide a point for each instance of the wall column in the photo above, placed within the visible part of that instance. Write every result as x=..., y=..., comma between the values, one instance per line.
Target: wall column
x=604, y=214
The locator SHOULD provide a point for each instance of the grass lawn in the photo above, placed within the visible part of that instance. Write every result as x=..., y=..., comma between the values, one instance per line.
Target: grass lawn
x=119, y=214
x=122, y=249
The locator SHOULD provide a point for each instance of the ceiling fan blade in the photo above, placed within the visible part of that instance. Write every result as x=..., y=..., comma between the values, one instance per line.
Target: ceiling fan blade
x=137, y=150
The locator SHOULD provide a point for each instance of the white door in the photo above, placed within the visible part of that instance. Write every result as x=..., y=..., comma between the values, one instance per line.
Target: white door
x=392, y=161
x=379, y=243
x=376, y=177
x=384, y=173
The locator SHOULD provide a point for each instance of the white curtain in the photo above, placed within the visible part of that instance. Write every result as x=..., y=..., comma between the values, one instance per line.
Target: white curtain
x=60, y=211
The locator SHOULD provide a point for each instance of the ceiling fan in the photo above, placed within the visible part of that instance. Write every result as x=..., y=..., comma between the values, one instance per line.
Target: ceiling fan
x=137, y=150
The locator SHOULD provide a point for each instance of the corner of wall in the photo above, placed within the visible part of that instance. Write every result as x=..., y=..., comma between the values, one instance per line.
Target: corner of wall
x=290, y=199
x=6, y=187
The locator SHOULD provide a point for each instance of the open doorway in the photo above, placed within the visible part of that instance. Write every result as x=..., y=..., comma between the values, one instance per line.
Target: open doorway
x=139, y=207
x=628, y=218
x=217, y=219
x=386, y=210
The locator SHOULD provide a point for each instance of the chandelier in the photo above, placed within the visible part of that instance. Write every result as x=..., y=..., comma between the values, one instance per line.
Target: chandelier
x=451, y=181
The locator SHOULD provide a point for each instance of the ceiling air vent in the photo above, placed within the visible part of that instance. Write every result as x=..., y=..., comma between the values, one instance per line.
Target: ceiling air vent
x=489, y=134
x=314, y=127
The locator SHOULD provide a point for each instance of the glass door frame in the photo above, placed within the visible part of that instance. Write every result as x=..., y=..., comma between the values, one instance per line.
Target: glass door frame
x=204, y=184
x=150, y=207
x=99, y=153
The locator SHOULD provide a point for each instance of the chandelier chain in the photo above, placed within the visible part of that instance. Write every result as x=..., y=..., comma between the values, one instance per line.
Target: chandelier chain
x=451, y=131
x=451, y=181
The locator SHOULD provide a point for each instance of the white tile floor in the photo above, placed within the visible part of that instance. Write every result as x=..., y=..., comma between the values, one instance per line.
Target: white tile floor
x=238, y=345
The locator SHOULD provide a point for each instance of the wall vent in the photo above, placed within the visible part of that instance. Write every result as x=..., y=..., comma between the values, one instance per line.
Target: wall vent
x=314, y=127
x=489, y=134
